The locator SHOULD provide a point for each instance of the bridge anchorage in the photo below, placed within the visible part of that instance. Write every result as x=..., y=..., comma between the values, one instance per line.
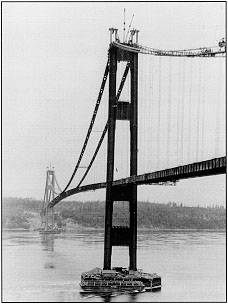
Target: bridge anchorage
x=47, y=213
x=125, y=189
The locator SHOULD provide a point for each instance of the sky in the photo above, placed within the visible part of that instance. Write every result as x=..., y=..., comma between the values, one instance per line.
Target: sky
x=53, y=60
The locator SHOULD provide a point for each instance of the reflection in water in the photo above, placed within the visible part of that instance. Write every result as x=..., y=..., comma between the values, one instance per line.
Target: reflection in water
x=47, y=240
x=49, y=266
x=107, y=296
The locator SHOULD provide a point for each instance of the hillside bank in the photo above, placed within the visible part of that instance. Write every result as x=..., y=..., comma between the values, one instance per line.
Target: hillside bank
x=25, y=213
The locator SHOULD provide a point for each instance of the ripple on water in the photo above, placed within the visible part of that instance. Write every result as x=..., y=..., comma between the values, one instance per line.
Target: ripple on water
x=40, y=269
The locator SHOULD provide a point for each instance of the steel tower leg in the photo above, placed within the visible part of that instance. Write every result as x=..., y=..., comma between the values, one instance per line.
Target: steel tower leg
x=46, y=219
x=49, y=194
x=110, y=158
x=46, y=200
x=52, y=217
x=133, y=159
x=121, y=236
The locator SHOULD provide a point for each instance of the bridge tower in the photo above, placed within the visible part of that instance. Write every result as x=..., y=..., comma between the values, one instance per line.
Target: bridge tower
x=49, y=195
x=121, y=110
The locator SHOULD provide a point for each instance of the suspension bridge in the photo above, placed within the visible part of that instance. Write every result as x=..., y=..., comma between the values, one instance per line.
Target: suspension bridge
x=183, y=119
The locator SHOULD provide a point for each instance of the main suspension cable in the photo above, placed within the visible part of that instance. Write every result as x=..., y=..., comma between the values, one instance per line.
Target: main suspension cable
x=94, y=155
x=91, y=125
x=107, y=123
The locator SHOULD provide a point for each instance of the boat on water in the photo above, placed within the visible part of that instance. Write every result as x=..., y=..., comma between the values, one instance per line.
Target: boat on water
x=49, y=230
x=119, y=278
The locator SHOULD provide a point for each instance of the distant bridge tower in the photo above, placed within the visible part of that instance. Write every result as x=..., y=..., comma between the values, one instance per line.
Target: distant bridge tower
x=47, y=213
x=122, y=110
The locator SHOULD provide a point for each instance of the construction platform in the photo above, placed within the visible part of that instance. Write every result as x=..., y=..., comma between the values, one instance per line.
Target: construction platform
x=119, y=278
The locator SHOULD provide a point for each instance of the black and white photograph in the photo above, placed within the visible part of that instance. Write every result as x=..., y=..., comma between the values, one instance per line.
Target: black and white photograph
x=113, y=151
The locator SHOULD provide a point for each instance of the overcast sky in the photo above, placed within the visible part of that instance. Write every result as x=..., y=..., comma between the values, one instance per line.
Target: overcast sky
x=54, y=56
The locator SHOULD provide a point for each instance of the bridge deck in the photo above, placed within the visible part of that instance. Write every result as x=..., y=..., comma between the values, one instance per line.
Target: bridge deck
x=204, y=168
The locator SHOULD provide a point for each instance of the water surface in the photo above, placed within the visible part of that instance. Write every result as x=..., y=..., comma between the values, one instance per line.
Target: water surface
x=39, y=268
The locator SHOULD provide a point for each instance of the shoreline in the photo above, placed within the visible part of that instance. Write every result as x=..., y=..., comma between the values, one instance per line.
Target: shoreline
x=78, y=229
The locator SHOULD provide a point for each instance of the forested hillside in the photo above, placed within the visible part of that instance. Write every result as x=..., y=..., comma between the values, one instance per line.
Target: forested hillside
x=23, y=213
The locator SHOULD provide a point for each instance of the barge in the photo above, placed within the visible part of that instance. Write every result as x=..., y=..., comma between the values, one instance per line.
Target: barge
x=49, y=231
x=119, y=278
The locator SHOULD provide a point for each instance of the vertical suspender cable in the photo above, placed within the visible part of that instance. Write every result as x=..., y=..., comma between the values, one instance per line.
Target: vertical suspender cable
x=151, y=100
x=147, y=115
x=158, y=113
x=218, y=105
x=198, y=112
x=203, y=113
x=143, y=107
x=178, y=110
x=182, y=113
x=189, y=111
x=140, y=113
x=57, y=184
x=169, y=111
